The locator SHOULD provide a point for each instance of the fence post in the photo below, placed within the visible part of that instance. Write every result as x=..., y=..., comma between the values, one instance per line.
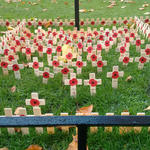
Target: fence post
x=82, y=137
x=76, y=7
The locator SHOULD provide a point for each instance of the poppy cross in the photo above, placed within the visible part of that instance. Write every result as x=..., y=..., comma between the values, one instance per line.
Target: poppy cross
x=115, y=74
x=28, y=52
x=125, y=59
x=73, y=82
x=99, y=63
x=35, y=101
x=16, y=67
x=36, y=65
x=142, y=60
x=4, y=65
x=46, y=75
x=79, y=64
x=92, y=82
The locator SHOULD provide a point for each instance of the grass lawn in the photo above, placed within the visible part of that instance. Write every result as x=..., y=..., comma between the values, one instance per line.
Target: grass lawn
x=133, y=96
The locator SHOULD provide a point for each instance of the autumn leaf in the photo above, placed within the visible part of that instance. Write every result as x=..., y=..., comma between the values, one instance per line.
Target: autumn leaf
x=66, y=3
x=13, y=89
x=34, y=147
x=44, y=9
x=148, y=108
x=85, y=110
x=129, y=78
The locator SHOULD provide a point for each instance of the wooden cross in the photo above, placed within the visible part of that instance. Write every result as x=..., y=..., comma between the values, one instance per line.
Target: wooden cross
x=4, y=65
x=125, y=59
x=55, y=63
x=146, y=50
x=28, y=51
x=99, y=63
x=138, y=43
x=12, y=56
x=115, y=74
x=16, y=68
x=35, y=101
x=79, y=64
x=142, y=60
x=36, y=65
x=73, y=82
x=92, y=82
x=46, y=75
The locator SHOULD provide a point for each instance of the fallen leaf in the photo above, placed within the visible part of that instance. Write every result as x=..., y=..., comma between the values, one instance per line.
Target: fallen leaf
x=4, y=148
x=148, y=108
x=34, y=147
x=91, y=10
x=44, y=9
x=129, y=78
x=13, y=89
x=147, y=13
x=34, y=4
x=85, y=110
x=66, y=3
x=141, y=8
x=83, y=10
x=17, y=111
x=110, y=6
x=123, y=6
x=25, y=65
x=23, y=3
x=145, y=5
x=17, y=130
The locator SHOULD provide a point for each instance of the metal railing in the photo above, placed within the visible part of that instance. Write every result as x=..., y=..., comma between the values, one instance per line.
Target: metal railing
x=82, y=123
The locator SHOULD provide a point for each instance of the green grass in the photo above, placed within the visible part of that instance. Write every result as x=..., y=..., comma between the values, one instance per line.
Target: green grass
x=133, y=96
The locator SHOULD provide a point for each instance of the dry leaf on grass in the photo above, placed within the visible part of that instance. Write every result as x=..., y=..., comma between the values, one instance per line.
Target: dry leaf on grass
x=17, y=110
x=85, y=110
x=91, y=10
x=44, y=9
x=141, y=8
x=110, y=6
x=145, y=5
x=74, y=144
x=129, y=78
x=66, y=3
x=123, y=6
x=34, y=147
x=83, y=10
x=148, y=108
x=13, y=89
x=147, y=13
x=4, y=148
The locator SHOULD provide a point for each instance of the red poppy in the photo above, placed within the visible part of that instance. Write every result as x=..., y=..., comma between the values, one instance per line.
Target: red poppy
x=6, y=51
x=146, y=21
x=115, y=75
x=65, y=71
x=127, y=39
x=18, y=22
x=142, y=59
x=115, y=35
x=125, y=21
x=35, y=65
x=99, y=47
x=73, y=82
x=15, y=67
x=75, y=36
x=22, y=38
x=92, y=22
x=7, y=23
x=82, y=38
x=95, y=33
x=58, y=49
x=11, y=57
x=114, y=22
x=89, y=49
x=28, y=35
x=4, y=64
x=126, y=60
x=110, y=39
x=132, y=35
x=122, y=49
x=40, y=23
x=79, y=64
x=29, y=23
x=34, y=102
x=147, y=51
x=107, y=34
x=51, y=23
x=68, y=41
x=45, y=75
x=49, y=51
x=69, y=56
x=54, y=33
x=93, y=57
x=55, y=63
x=93, y=82
x=80, y=45
x=18, y=42
x=40, y=48
x=125, y=30
x=50, y=42
x=40, y=37
x=60, y=23
x=71, y=23
x=102, y=22
x=60, y=36
x=82, y=23
x=100, y=64
x=28, y=51
x=107, y=43
x=13, y=48
x=138, y=42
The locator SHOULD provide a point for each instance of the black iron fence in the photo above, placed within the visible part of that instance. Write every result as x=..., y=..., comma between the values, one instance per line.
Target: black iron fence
x=82, y=123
